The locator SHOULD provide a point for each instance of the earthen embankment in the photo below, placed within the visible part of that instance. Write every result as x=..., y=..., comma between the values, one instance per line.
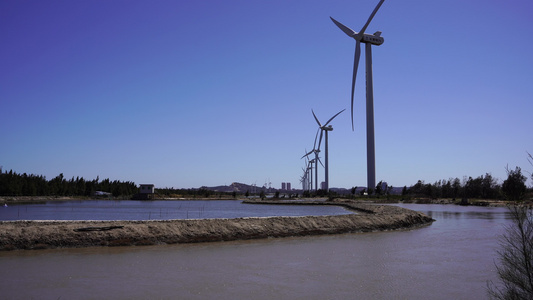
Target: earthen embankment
x=62, y=234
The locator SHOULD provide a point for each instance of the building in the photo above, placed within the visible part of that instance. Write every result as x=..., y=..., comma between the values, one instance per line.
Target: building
x=146, y=192
x=283, y=186
x=288, y=186
x=146, y=189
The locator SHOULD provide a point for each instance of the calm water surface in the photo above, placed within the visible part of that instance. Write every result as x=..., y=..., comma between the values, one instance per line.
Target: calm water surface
x=157, y=210
x=451, y=259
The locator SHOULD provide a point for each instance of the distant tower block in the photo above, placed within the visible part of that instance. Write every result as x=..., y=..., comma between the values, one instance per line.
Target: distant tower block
x=288, y=186
x=283, y=186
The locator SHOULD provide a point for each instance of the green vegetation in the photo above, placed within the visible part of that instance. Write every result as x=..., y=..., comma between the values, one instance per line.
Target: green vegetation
x=203, y=192
x=514, y=187
x=13, y=184
x=482, y=187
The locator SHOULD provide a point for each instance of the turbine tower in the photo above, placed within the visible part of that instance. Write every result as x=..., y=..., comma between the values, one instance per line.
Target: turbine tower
x=315, y=160
x=369, y=40
x=325, y=128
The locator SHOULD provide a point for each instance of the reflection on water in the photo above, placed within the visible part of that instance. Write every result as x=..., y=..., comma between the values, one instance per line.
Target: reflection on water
x=459, y=212
x=450, y=259
x=157, y=210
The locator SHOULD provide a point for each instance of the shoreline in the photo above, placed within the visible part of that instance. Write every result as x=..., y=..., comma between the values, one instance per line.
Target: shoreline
x=15, y=235
x=447, y=201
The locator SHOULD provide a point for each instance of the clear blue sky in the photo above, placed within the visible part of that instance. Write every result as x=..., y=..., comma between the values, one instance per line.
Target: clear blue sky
x=190, y=93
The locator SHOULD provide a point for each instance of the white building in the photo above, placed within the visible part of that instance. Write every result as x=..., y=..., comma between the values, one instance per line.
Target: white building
x=146, y=189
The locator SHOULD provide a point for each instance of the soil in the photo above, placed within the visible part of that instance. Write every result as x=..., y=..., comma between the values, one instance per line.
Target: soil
x=72, y=234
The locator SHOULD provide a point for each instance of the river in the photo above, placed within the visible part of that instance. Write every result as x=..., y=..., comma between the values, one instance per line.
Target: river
x=451, y=259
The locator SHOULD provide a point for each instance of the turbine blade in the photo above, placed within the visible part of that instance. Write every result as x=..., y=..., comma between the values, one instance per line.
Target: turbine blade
x=345, y=29
x=333, y=117
x=320, y=161
x=360, y=34
x=355, y=66
x=316, y=119
x=307, y=154
x=320, y=140
x=314, y=145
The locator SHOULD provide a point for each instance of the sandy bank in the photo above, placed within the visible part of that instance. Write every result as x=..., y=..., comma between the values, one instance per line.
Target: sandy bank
x=54, y=234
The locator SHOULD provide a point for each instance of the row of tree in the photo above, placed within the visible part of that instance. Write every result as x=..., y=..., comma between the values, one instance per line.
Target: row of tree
x=13, y=184
x=203, y=192
x=482, y=187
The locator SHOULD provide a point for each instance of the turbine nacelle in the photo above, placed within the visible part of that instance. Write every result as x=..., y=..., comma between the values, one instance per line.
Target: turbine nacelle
x=369, y=40
x=374, y=39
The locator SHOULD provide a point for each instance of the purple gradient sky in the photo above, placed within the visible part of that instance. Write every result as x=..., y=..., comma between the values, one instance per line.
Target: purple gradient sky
x=190, y=93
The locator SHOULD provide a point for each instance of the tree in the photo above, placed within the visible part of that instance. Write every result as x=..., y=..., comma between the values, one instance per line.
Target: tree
x=404, y=190
x=447, y=190
x=516, y=257
x=489, y=187
x=529, y=159
x=379, y=189
x=354, y=189
x=456, y=188
x=514, y=187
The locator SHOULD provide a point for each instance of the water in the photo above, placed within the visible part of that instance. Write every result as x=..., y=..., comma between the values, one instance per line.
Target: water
x=156, y=210
x=451, y=259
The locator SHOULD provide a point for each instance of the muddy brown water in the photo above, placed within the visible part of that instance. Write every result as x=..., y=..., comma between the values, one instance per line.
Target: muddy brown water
x=450, y=259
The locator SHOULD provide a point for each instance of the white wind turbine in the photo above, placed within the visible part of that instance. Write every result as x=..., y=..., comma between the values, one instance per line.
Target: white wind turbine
x=325, y=128
x=315, y=161
x=369, y=40
x=303, y=180
x=308, y=172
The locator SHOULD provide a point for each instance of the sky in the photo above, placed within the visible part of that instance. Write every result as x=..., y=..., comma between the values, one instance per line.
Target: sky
x=186, y=94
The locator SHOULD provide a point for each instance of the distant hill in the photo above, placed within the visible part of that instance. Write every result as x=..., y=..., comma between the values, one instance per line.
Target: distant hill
x=243, y=188
x=238, y=187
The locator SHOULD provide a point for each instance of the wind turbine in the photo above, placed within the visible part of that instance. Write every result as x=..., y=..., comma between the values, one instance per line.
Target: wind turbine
x=308, y=171
x=304, y=180
x=325, y=128
x=315, y=161
x=369, y=40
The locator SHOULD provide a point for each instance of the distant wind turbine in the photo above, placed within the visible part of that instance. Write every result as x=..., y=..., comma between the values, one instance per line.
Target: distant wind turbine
x=369, y=40
x=315, y=161
x=308, y=171
x=325, y=128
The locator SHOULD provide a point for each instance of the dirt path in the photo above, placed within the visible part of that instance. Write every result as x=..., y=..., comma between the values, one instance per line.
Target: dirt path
x=59, y=234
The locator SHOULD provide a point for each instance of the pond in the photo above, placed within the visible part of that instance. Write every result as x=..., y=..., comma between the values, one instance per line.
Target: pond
x=157, y=210
x=451, y=259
